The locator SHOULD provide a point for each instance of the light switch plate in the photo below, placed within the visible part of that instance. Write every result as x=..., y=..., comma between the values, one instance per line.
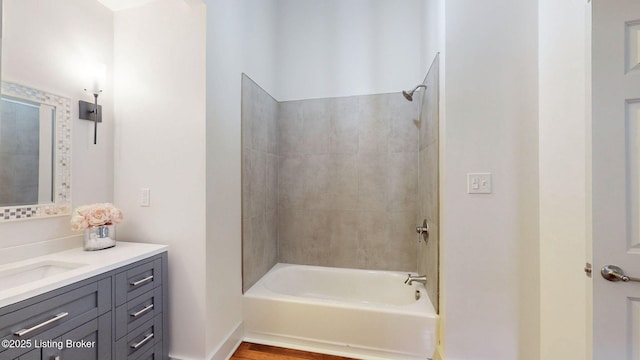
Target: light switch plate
x=479, y=183
x=145, y=197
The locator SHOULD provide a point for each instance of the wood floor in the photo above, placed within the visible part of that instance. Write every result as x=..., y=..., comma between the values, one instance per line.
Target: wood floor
x=249, y=351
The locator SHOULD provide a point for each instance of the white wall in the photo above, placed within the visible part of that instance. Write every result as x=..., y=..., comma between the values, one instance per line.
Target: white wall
x=160, y=144
x=46, y=45
x=489, y=243
x=336, y=48
x=563, y=155
x=240, y=38
x=432, y=26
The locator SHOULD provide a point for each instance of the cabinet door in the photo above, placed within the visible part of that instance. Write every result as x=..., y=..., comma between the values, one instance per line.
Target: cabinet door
x=34, y=354
x=91, y=341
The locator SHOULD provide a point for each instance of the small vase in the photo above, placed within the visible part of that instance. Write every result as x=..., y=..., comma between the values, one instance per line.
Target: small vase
x=99, y=237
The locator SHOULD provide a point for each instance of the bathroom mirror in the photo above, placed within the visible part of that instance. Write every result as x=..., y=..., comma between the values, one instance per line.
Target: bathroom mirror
x=35, y=153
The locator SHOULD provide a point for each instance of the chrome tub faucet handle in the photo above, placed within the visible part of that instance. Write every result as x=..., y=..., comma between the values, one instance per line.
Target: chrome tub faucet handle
x=416, y=278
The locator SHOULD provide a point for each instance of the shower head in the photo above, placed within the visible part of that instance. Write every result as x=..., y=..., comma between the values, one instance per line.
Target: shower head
x=409, y=94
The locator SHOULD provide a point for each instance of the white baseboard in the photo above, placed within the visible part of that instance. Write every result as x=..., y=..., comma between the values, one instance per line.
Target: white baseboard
x=226, y=349
x=229, y=346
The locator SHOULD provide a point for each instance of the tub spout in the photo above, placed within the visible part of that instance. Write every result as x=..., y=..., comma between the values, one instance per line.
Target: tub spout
x=416, y=278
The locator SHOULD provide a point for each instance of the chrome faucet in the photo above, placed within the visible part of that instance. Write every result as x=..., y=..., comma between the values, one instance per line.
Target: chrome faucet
x=416, y=278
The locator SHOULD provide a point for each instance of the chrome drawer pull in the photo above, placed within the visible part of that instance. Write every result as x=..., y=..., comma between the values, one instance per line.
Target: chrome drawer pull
x=24, y=332
x=142, y=281
x=146, y=308
x=143, y=341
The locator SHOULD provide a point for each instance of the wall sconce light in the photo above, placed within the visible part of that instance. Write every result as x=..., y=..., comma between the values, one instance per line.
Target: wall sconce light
x=93, y=111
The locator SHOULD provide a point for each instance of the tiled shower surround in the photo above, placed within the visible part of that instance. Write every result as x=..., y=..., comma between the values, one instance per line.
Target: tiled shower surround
x=348, y=182
x=259, y=182
x=428, y=183
x=330, y=182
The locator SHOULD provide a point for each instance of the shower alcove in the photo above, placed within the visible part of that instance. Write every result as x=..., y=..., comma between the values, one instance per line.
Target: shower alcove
x=340, y=182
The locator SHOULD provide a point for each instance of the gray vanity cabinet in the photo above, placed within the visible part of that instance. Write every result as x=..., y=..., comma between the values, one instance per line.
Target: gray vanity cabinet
x=119, y=315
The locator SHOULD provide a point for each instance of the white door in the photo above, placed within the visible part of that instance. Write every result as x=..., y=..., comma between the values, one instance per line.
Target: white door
x=616, y=177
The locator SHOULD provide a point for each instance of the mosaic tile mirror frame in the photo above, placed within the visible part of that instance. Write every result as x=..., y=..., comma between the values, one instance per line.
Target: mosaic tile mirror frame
x=60, y=199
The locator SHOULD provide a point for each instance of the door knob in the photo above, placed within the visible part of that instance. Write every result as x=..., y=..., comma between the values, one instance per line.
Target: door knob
x=615, y=274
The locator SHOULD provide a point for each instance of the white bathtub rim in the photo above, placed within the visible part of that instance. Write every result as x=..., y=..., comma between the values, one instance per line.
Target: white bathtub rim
x=422, y=308
x=279, y=266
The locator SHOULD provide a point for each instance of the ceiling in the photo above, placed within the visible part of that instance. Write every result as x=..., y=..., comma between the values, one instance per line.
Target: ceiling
x=116, y=5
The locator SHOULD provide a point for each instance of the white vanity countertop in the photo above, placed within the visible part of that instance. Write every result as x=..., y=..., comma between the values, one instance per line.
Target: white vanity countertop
x=97, y=262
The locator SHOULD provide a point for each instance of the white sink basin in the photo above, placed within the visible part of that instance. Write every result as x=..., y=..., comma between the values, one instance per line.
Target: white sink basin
x=23, y=274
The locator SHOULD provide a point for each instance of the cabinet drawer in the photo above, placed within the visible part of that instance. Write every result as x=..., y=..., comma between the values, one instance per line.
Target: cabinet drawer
x=137, y=311
x=53, y=316
x=153, y=354
x=138, y=280
x=141, y=340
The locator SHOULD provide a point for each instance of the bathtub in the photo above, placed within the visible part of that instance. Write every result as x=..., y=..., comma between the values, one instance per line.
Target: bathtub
x=355, y=313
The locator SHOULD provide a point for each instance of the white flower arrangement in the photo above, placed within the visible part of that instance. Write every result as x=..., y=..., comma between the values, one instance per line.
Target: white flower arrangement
x=89, y=216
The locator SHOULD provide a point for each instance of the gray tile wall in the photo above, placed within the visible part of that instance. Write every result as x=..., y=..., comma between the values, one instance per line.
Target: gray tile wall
x=348, y=182
x=259, y=182
x=428, y=207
